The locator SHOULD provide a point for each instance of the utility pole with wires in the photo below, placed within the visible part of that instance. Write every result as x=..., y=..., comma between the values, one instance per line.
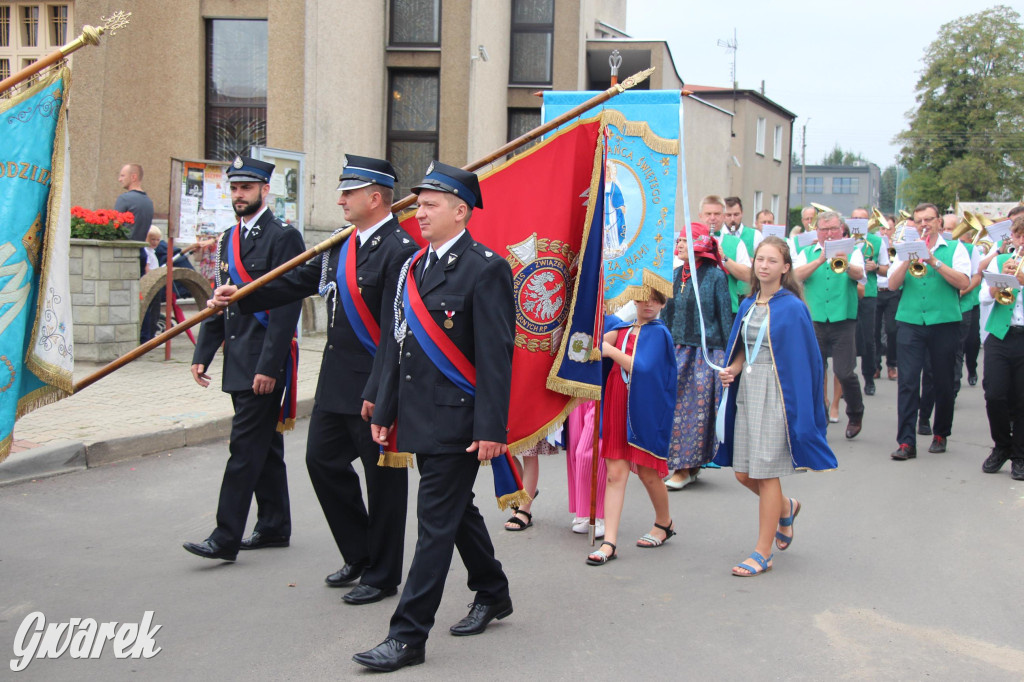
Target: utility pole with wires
x=734, y=47
x=803, y=165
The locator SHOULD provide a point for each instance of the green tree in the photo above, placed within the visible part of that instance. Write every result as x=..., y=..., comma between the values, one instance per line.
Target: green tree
x=887, y=191
x=838, y=157
x=966, y=134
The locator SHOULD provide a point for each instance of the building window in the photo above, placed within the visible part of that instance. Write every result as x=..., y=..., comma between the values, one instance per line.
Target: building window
x=758, y=202
x=759, y=143
x=520, y=122
x=236, y=87
x=814, y=185
x=29, y=31
x=413, y=114
x=415, y=23
x=533, y=31
x=845, y=185
x=775, y=207
x=777, y=147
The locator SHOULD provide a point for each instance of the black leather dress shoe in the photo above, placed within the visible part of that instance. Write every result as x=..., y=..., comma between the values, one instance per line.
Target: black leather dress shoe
x=853, y=427
x=972, y=379
x=995, y=461
x=390, y=655
x=938, y=444
x=367, y=594
x=904, y=452
x=208, y=549
x=923, y=429
x=348, y=573
x=479, y=616
x=258, y=541
x=869, y=388
x=1017, y=470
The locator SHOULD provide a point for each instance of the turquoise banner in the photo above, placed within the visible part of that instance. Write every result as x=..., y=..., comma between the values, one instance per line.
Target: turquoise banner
x=639, y=188
x=35, y=331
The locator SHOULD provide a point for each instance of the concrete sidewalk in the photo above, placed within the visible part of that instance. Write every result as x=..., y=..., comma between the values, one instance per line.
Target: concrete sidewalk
x=147, y=406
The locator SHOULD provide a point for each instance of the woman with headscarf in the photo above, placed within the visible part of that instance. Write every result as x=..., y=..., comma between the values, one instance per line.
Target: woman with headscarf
x=692, y=443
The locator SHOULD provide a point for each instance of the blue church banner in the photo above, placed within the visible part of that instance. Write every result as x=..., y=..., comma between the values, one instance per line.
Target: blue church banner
x=35, y=223
x=639, y=189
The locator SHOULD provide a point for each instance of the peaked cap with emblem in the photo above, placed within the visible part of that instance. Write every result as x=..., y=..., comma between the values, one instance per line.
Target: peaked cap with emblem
x=362, y=171
x=247, y=169
x=444, y=178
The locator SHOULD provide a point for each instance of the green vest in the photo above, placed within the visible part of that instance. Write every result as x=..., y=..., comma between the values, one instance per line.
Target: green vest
x=737, y=289
x=999, y=319
x=871, y=286
x=831, y=297
x=970, y=301
x=747, y=235
x=930, y=299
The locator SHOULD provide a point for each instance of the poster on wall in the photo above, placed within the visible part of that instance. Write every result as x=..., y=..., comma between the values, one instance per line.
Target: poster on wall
x=200, y=209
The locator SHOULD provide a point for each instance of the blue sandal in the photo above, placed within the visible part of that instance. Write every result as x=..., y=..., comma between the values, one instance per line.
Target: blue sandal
x=784, y=541
x=750, y=570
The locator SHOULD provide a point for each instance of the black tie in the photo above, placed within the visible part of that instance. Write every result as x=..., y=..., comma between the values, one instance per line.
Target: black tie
x=431, y=262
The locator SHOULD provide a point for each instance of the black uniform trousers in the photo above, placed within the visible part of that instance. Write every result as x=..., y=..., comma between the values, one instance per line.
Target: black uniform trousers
x=375, y=540
x=255, y=466
x=885, y=319
x=866, y=337
x=448, y=519
x=918, y=344
x=839, y=339
x=970, y=344
x=1004, y=391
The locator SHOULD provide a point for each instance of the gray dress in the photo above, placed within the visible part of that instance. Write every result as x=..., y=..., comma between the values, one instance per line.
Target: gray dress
x=760, y=437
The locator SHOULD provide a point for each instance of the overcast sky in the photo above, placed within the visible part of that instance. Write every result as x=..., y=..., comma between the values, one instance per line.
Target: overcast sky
x=851, y=68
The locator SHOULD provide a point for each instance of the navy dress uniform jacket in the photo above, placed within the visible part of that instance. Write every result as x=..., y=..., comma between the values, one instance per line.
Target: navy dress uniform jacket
x=348, y=374
x=473, y=285
x=249, y=349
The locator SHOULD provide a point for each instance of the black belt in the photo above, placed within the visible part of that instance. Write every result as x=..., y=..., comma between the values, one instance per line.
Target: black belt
x=1015, y=330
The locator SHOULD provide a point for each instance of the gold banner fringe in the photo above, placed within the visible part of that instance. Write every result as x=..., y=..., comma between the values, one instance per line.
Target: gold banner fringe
x=5, y=446
x=640, y=292
x=516, y=499
x=396, y=460
x=286, y=425
x=640, y=129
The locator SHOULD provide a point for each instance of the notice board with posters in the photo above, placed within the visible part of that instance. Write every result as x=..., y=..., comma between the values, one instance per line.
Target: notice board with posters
x=199, y=207
x=287, y=184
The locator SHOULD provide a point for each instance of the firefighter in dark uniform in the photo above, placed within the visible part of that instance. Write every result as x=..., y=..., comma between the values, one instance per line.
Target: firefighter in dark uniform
x=339, y=431
x=258, y=351
x=463, y=293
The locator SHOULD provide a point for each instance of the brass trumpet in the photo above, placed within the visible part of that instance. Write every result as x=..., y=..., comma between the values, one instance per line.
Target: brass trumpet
x=1005, y=296
x=917, y=268
x=839, y=264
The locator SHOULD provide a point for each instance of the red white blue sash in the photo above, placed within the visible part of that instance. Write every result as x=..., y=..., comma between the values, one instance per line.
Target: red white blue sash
x=456, y=367
x=435, y=343
x=240, y=276
x=358, y=313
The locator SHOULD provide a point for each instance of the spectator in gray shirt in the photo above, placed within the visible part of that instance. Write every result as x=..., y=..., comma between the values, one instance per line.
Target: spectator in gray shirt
x=135, y=201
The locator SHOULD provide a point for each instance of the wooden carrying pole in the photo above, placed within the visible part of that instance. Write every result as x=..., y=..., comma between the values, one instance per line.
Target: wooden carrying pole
x=325, y=245
x=90, y=35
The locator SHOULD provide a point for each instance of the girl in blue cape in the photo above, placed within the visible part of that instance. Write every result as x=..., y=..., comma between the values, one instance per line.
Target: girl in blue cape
x=775, y=411
x=639, y=396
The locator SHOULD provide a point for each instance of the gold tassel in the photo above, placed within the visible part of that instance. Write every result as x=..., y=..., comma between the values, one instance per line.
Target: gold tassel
x=286, y=425
x=516, y=499
x=396, y=460
x=5, y=446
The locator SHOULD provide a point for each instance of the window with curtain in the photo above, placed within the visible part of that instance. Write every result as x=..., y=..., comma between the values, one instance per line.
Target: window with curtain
x=777, y=147
x=520, y=122
x=236, y=87
x=413, y=114
x=415, y=23
x=759, y=141
x=533, y=31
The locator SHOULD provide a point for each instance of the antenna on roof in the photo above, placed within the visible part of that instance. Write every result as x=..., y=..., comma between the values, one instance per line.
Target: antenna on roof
x=734, y=46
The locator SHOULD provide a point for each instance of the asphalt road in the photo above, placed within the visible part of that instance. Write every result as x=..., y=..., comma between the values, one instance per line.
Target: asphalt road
x=899, y=570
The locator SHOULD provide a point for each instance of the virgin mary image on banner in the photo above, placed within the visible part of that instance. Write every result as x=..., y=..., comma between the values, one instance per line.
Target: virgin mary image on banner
x=614, y=212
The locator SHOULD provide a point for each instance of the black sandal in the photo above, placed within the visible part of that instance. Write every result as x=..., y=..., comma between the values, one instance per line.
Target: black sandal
x=518, y=521
x=652, y=541
x=605, y=558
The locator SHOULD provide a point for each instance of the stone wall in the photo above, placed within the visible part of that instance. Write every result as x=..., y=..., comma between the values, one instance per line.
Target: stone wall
x=104, y=298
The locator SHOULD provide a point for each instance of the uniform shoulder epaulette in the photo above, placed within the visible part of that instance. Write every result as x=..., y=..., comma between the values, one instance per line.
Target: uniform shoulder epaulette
x=484, y=252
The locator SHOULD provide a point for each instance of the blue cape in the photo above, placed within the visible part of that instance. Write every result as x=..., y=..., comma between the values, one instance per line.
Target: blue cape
x=652, y=386
x=800, y=372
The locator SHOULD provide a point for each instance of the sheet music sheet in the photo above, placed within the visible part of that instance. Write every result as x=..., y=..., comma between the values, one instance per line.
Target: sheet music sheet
x=907, y=250
x=839, y=246
x=999, y=280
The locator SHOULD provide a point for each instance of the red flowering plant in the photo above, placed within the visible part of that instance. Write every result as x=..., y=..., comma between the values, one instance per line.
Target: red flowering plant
x=104, y=224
